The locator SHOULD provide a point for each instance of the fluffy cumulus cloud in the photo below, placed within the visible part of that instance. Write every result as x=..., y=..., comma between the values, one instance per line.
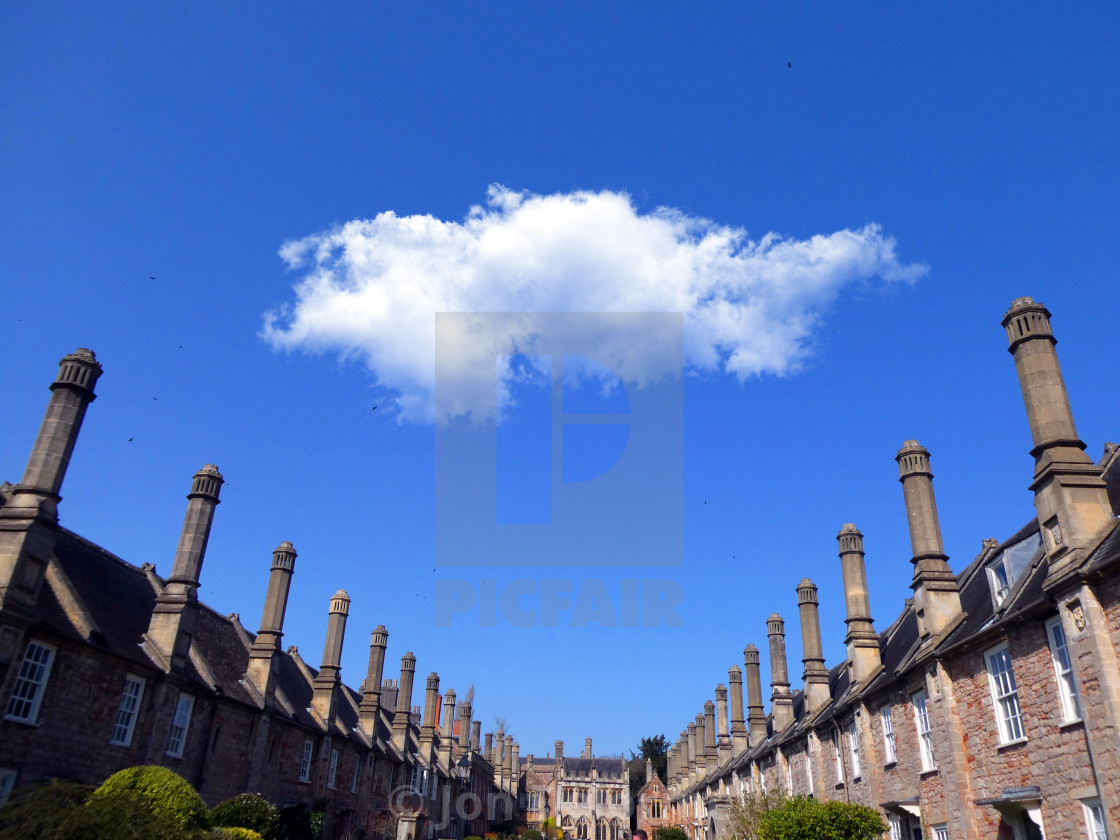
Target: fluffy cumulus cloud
x=370, y=289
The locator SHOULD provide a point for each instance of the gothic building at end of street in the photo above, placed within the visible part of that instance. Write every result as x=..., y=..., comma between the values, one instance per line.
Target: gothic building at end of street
x=990, y=707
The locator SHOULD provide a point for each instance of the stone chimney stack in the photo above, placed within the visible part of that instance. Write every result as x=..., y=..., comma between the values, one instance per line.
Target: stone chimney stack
x=723, y=734
x=711, y=755
x=476, y=735
x=466, y=712
x=701, y=747
x=586, y=748
x=936, y=598
x=327, y=680
x=430, y=720
x=171, y=627
x=862, y=641
x=490, y=750
x=756, y=714
x=403, y=712
x=649, y=770
x=71, y=394
x=558, y=750
x=506, y=746
x=262, y=657
x=515, y=769
x=1069, y=493
x=447, y=730
x=738, y=721
x=693, y=753
x=815, y=675
x=369, y=709
x=781, y=700
x=27, y=521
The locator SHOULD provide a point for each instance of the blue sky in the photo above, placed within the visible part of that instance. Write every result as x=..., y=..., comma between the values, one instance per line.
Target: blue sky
x=194, y=143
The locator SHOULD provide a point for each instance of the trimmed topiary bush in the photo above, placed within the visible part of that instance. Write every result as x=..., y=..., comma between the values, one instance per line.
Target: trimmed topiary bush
x=233, y=832
x=671, y=832
x=807, y=819
x=248, y=810
x=168, y=795
x=531, y=834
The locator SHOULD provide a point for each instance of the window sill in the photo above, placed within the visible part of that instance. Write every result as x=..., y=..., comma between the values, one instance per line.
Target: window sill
x=888, y=765
x=22, y=721
x=1010, y=744
x=931, y=771
x=1070, y=724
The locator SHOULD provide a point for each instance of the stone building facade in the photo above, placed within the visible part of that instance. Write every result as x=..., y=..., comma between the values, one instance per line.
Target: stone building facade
x=588, y=797
x=105, y=665
x=651, y=810
x=990, y=707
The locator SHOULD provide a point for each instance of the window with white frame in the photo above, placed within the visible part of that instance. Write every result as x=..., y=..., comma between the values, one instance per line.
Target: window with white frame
x=332, y=770
x=27, y=694
x=419, y=782
x=1063, y=670
x=809, y=763
x=127, y=711
x=837, y=757
x=789, y=774
x=888, y=735
x=941, y=831
x=895, y=823
x=177, y=733
x=1094, y=819
x=1009, y=565
x=7, y=782
x=853, y=747
x=925, y=736
x=356, y=774
x=305, y=761
x=1005, y=694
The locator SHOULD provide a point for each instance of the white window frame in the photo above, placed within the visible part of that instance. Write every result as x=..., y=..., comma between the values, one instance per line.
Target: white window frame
x=7, y=783
x=889, y=746
x=1005, y=694
x=31, y=682
x=941, y=831
x=124, y=723
x=919, y=701
x=853, y=748
x=180, y=725
x=809, y=762
x=357, y=775
x=305, y=760
x=1001, y=587
x=419, y=783
x=332, y=770
x=1095, y=828
x=1063, y=670
x=838, y=756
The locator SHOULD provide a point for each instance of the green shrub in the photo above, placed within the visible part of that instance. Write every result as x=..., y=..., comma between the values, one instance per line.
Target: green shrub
x=66, y=811
x=167, y=794
x=233, y=832
x=473, y=837
x=248, y=810
x=807, y=819
x=671, y=832
x=531, y=834
x=298, y=822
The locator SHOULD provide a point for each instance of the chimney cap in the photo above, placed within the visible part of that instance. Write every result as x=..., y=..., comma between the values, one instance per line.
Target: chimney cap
x=849, y=528
x=911, y=447
x=285, y=546
x=1021, y=304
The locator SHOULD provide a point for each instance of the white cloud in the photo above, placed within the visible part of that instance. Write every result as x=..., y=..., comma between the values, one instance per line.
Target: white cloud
x=370, y=289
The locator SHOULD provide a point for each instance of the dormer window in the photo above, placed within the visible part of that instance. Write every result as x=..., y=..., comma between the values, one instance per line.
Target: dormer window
x=1009, y=565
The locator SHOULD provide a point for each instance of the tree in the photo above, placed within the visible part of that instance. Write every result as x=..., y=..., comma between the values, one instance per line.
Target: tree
x=656, y=749
x=671, y=832
x=748, y=809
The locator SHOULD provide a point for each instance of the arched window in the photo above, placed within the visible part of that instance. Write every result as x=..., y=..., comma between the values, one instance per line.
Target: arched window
x=616, y=829
x=583, y=828
x=602, y=830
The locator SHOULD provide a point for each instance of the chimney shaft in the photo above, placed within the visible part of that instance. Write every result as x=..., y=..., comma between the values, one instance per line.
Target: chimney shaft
x=1070, y=495
x=738, y=720
x=466, y=712
x=694, y=752
x=370, y=706
x=431, y=707
x=756, y=714
x=71, y=394
x=476, y=734
x=862, y=641
x=936, y=598
x=781, y=700
x=587, y=748
x=327, y=680
x=723, y=733
x=711, y=755
x=262, y=662
x=403, y=711
x=815, y=674
x=558, y=750
x=447, y=731
x=171, y=627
